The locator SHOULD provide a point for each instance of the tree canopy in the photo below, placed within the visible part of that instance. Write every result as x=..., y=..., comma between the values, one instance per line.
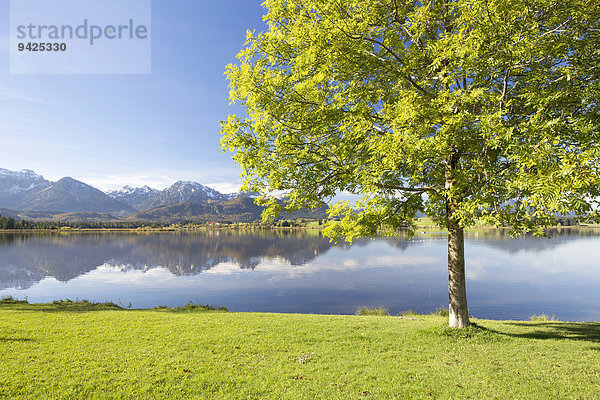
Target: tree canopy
x=466, y=110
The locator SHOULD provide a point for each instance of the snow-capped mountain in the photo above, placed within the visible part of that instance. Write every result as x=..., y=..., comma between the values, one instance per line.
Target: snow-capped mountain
x=70, y=195
x=26, y=195
x=16, y=185
x=26, y=191
x=182, y=191
x=136, y=197
x=129, y=190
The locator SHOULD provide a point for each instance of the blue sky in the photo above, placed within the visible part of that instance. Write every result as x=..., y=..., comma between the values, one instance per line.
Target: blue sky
x=113, y=130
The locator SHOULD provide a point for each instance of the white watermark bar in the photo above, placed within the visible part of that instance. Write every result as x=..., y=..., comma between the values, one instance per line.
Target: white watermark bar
x=80, y=36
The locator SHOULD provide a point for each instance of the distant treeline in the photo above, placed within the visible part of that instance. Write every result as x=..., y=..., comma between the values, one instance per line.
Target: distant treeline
x=281, y=223
x=12, y=223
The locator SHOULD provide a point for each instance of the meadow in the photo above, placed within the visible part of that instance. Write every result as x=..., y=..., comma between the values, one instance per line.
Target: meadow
x=84, y=350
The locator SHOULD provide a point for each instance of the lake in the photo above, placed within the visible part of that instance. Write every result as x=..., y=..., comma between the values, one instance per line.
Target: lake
x=302, y=272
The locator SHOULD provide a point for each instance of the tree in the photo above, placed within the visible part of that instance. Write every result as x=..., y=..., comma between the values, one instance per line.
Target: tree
x=466, y=110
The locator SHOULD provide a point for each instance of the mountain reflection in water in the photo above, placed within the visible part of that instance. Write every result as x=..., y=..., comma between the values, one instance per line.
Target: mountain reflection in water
x=28, y=258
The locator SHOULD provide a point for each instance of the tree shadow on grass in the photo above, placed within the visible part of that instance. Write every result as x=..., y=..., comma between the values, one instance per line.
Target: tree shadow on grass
x=580, y=331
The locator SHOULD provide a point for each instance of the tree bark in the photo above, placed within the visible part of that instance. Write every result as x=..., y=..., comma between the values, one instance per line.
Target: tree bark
x=457, y=286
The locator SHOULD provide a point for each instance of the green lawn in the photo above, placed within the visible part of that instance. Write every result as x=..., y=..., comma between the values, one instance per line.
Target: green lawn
x=76, y=352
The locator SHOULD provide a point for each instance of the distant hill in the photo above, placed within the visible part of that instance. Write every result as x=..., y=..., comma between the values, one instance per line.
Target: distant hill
x=78, y=217
x=317, y=213
x=57, y=216
x=5, y=212
x=238, y=209
x=70, y=195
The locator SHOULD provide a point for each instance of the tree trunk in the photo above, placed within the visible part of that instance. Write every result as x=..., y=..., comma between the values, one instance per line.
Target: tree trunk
x=457, y=287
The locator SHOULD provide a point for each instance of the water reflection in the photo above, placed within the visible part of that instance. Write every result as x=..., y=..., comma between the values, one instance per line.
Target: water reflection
x=501, y=239
x=28, y=258
x=283, y=271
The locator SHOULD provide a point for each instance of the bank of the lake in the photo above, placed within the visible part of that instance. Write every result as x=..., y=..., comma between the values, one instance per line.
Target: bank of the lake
x=61, y=351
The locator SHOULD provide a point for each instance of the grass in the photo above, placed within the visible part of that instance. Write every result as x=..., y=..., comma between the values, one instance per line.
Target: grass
x=87, y=351
x=442, y=312
x=191, y=307
x=11, y=300
x=543, y=317
x=380, y=311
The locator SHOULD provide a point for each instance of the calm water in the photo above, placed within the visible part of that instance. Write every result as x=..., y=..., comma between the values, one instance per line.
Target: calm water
x=302, y=272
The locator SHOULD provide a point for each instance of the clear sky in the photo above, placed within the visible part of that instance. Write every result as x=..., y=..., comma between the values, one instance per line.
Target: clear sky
x=115, y=130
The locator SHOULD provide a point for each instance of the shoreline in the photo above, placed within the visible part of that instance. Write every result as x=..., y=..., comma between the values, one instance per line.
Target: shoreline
x=419, y=229
x=67, y=305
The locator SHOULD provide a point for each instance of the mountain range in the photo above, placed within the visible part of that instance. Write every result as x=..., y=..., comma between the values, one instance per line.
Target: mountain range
x=26, y=195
